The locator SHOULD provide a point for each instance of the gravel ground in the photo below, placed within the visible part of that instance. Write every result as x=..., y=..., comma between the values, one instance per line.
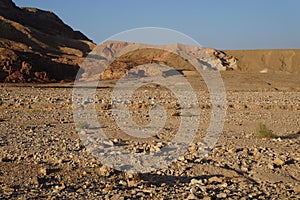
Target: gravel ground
x=42, y=156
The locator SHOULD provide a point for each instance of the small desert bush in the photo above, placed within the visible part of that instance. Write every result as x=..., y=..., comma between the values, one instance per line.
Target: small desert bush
x=83, y=125
x=263, y=132
x=36, y=110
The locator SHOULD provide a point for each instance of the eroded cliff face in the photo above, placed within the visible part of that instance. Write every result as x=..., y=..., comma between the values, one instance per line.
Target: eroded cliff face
x=36, y=46
x=138, y=55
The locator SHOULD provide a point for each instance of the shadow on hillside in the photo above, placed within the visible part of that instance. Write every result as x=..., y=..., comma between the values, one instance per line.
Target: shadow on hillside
x=55, y=71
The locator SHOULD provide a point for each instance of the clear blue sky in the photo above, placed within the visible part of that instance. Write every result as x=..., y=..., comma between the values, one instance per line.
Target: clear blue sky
x=222, y=24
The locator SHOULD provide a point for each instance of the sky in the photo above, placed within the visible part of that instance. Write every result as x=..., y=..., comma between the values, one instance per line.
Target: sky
x=221, y=24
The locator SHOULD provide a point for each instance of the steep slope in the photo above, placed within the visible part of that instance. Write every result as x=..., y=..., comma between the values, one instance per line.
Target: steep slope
x=36, y=46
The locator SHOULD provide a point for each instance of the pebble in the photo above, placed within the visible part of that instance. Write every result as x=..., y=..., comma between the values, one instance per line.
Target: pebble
x=43, y=171
x=80, y=191
x=60, y=187
x=297, y=189
x=278, y=162
x=192, y=197
x=244, y=169
x=104, y=171
x=222, y=195
x=215, y=179
x=224, y=185
x=107, y=188
x=271, y=166
x=195, y=181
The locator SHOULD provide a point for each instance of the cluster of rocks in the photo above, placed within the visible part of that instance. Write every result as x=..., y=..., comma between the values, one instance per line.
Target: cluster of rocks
x=41, y=154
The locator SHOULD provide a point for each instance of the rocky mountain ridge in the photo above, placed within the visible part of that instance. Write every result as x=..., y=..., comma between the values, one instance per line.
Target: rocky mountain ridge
x=37, y=46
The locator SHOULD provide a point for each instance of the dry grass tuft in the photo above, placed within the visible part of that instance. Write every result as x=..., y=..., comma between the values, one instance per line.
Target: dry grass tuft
x=263, y=132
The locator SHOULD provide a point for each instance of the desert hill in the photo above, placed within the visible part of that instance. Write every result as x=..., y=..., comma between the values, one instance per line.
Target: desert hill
x=273, y=61
x=36, y=46
x=242, y=61
x=136, y=54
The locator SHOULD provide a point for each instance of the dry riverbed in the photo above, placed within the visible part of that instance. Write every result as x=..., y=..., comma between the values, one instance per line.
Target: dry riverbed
x=42, y=156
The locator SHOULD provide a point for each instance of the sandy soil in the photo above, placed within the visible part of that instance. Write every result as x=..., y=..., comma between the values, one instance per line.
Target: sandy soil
x=285, y=61
x=42, y=157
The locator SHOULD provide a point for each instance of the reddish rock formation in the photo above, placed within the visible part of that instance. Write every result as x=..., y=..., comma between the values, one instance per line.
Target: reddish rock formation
x=36, y=46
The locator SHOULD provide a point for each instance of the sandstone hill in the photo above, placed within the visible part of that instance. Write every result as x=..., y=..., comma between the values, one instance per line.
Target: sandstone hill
x=127, y=56
x=36, y=46
x=243, y=61
x=285, y=61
